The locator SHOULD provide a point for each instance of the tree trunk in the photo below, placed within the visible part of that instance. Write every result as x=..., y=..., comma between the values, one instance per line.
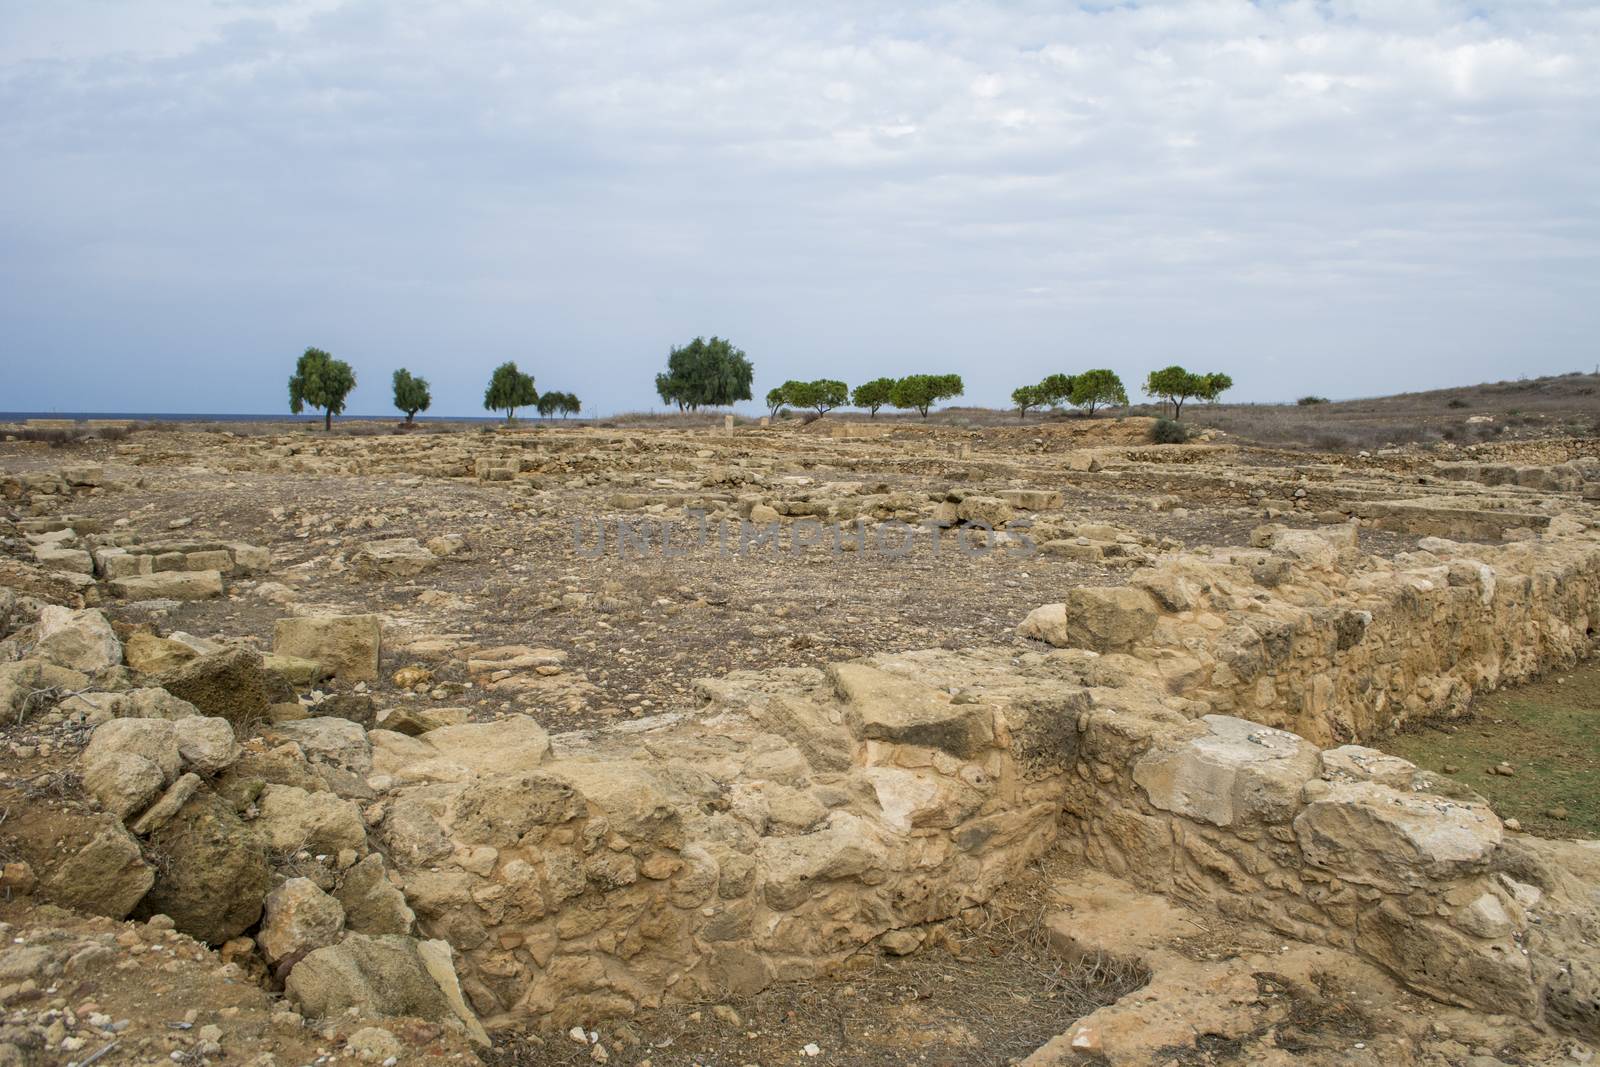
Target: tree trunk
x=327, y=420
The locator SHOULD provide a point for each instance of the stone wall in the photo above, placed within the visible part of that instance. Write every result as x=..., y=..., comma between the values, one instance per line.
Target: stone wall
x=798, y=818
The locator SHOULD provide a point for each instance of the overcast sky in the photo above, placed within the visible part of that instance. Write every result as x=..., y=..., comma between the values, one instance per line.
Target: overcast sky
x=1349, y=198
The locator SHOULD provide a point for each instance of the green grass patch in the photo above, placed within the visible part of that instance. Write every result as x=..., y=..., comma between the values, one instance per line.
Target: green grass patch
x=1548, y=731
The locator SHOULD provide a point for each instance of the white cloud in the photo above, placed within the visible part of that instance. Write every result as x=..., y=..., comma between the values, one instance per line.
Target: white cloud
x=1318, y=197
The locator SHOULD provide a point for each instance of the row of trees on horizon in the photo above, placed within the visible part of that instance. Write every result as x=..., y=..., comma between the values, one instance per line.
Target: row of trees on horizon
x=714, y=373
x=321, y=382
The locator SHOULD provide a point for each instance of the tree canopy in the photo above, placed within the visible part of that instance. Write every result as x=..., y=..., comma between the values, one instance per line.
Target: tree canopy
x=1175, y=385
x=320, y=381
x=922, y=391
x=872, y=395
x=705, y=373
x=1055, y=389
x=1024, y=397
x=824, y=394
x=553, y=401
x=411, y=395
x=509, y=389
x=1092, y=388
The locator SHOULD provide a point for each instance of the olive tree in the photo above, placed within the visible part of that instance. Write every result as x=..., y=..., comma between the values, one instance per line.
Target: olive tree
x=872, y=395
x=824, y=394
x=1026, y=396
x=411, y=395
x=509, y=389
x=1095, y=387
x=922, y=391
x=320, y=381
x=705, y=373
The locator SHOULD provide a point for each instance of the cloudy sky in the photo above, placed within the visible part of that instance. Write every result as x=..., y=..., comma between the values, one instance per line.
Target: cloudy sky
x=1349, y=197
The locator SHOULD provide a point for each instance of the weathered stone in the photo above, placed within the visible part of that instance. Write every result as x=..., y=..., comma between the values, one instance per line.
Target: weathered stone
x=295, y=820
x=328, y=740
x=499, y=811
x=206, y=744
x=122, y=783
x=1373, y=835
x=229, y=684
x=169, y=804
x=885, y=707
x=1102, y=619
x=797, y=867
x=169, y=585
x=394, y=557
x=348, y=645
x=108, y=876
x=460, y=753
x=1356, y=763
x=214, y=871
x=78, y=640
x=155, y=740
x=298, y=918
x=373, y=904
x=381, y=975
x=1237, y=772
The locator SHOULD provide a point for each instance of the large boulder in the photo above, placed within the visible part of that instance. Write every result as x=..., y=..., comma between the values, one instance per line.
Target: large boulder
x=348, y=645
x=372, y=903
x=298, y=918
x=78, y=640
x=214, y=871
x=122, y=783
x=1375, y=835
x=326, y=739
x=230, y=684
x=381, y=975
x=155, y=740
x=880, y=706
x=108, y=876
x=149, y=654
x=295, y=820
x=1102, y=619
x=1237, y=772
x=206, y=743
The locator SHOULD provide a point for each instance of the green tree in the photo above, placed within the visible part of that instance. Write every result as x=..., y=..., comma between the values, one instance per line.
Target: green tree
x=568, y=404
x=705, y=373
x=411, y=395
x=775, y=400
x=1095, y=387
x=1173, y=385
x=1025, y=397
x=320, y=381
x=549, y=402
x=1055, y=389
x=824, y=394
x=509, y=389
x=872, y=395
x=1213, y=386
x=922, y=391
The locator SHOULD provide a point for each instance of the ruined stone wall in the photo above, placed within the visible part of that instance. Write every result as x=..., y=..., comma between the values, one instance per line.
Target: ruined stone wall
x=798, y=817
x=1306, y=635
